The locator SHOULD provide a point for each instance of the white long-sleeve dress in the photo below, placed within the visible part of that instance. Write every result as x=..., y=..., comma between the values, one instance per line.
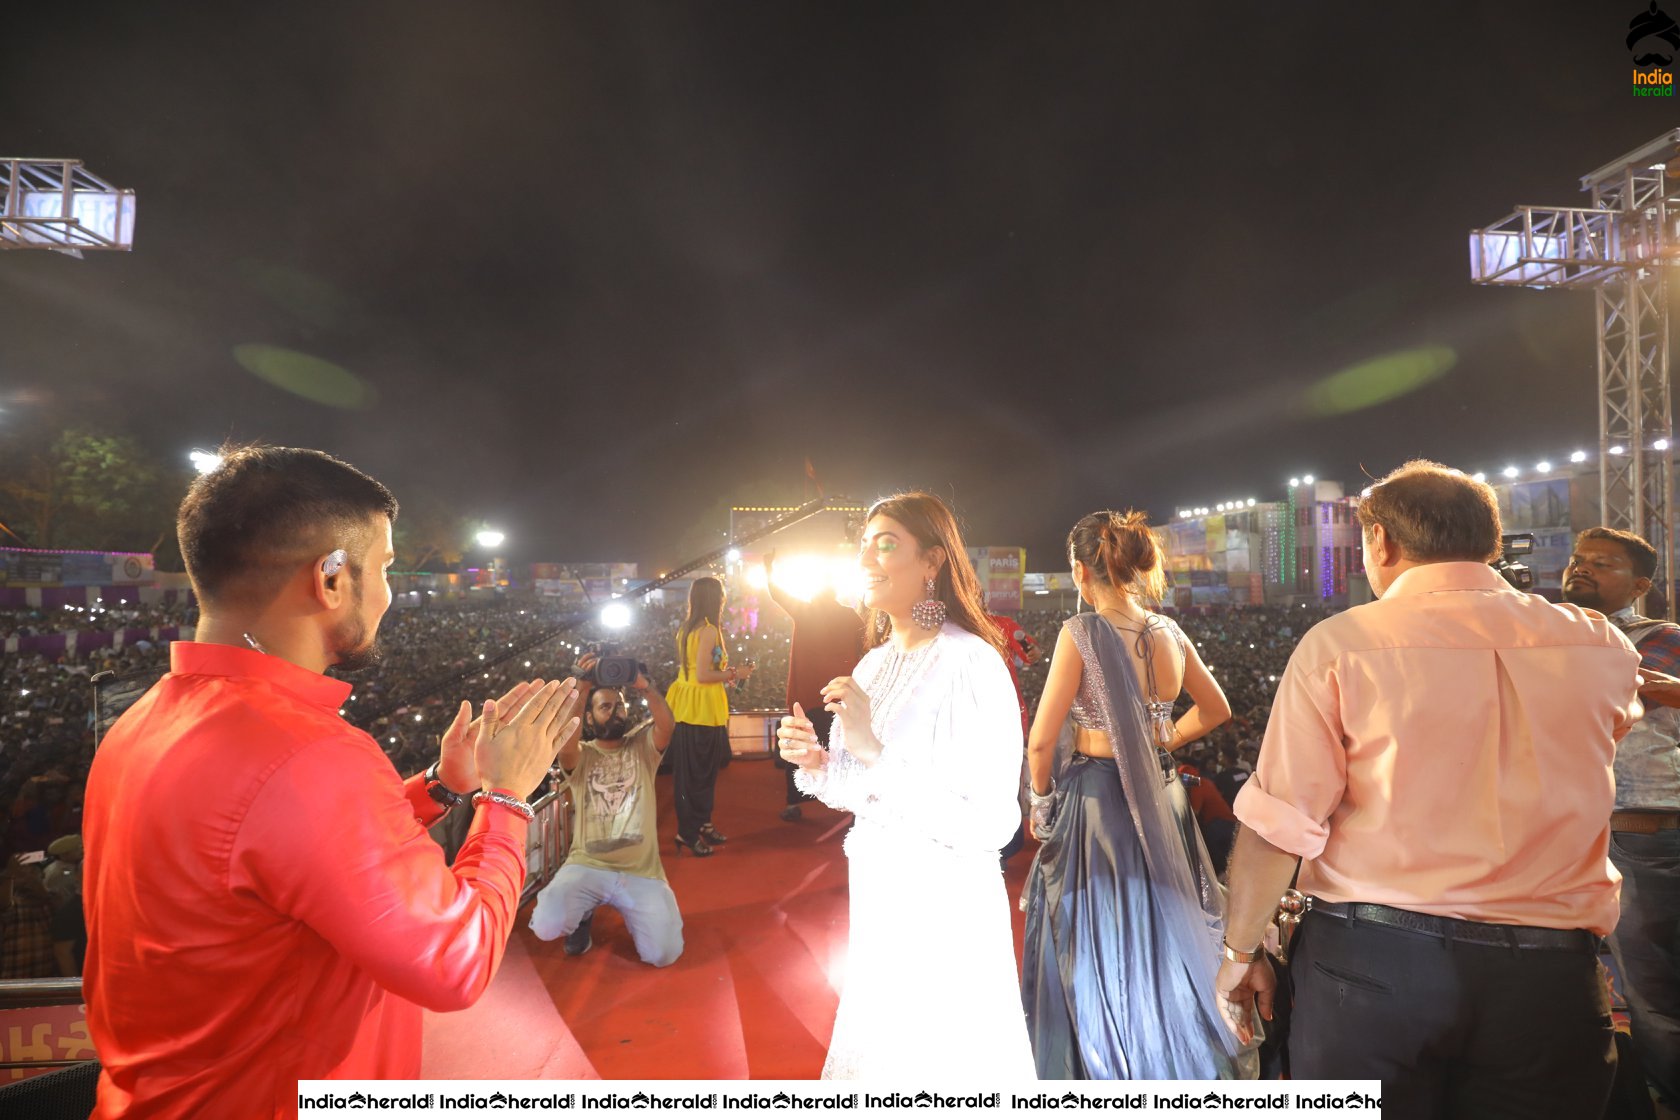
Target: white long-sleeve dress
x=931, y=992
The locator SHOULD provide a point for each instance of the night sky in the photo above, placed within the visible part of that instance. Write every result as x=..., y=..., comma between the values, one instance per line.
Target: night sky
x=596, y=269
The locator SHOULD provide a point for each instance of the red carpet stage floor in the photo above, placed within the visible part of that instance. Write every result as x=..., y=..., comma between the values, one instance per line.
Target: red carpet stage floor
x=753, y=996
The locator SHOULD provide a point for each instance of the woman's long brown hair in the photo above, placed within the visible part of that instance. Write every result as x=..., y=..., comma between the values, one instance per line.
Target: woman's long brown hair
x=932, y=523
x=705, y=605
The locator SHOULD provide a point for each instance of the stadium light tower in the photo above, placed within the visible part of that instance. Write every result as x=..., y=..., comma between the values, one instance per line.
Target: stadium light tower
x=60, y=205
x=1622, y=246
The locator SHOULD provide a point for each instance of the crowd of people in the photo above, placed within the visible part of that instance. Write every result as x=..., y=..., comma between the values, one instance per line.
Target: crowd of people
x=1400, y=874
x=437, y=653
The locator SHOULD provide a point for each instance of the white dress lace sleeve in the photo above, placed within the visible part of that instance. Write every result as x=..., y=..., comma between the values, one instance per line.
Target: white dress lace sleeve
x=951, y=755
x=843, y=783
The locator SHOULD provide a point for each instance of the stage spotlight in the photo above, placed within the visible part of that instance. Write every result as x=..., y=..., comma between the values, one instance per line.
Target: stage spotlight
x=204, y=461
x=1307, y=478
x=1661, y=445
x=1618, y=449
x=733, y=556
x=1480, y=476
x=1510, y=472
x=1578, y=457
x=1294, y=482
x=615, y=616
x=1543, y=466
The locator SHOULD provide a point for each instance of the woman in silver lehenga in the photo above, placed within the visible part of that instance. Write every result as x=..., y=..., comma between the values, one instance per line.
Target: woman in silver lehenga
x=1124, y=913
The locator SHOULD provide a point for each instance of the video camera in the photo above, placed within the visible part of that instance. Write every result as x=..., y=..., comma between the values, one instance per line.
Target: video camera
x=611, y=670
x=1515, y=572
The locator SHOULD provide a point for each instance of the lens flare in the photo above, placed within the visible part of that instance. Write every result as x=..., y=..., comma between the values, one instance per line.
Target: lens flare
x=1379, y=380
x=304, y=375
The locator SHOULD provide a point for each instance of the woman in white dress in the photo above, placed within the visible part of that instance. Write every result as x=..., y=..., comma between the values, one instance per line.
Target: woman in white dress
x=926, y=750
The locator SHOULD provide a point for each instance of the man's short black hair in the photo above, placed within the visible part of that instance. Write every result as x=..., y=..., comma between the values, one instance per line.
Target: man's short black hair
x=1642, y=557
x=244, y=526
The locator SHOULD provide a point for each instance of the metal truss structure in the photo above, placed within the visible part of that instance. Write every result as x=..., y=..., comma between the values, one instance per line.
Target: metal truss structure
x=1622, y=246
x=60, y=205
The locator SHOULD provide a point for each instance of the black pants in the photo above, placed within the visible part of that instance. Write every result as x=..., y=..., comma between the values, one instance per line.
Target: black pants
x=1453, y=1030
x=821, y=721
x=696, y=755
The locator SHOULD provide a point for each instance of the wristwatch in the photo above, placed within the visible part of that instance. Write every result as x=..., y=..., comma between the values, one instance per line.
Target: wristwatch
x=437, y=791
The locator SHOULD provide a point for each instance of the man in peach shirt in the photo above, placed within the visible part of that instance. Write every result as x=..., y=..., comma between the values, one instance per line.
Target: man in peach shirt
x=1441, y=761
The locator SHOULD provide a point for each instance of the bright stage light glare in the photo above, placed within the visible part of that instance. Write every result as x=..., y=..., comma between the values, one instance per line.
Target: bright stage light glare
x=1510, y=472
x=204, y=461
x=1543, y=466
x=1618, y=449
x=1294, y=482
x=615, y=616
x=756, y=580
x=1480, y=476
x=1577, y=456
x=1251, y=501
x=1307, y=478
x=490, y=538
x=733, y=556
x=1661, y=445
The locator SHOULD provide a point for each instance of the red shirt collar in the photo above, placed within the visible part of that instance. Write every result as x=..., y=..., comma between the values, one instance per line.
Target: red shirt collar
x=212, y=660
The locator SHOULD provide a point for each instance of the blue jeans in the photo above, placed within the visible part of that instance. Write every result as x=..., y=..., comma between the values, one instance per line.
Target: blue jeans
x=1647, y=948
x=648, y=907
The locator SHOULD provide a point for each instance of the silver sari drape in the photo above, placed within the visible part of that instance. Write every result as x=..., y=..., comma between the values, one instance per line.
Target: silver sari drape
x=1124, y=912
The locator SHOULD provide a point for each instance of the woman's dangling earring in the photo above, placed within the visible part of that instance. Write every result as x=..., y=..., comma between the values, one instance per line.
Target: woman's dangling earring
x=929, y=614
x=881, y=623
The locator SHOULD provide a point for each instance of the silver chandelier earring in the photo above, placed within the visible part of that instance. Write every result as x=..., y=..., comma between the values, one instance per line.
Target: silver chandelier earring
x=929, y=614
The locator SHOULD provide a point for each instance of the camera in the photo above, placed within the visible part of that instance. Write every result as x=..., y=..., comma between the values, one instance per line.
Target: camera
x=613, y=671
x=1514, y=571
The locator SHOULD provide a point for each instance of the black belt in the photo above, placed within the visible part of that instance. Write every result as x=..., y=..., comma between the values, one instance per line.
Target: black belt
x=1457, y=929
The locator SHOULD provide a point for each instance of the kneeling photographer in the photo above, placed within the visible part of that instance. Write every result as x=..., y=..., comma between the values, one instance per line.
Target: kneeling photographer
x=614, y=855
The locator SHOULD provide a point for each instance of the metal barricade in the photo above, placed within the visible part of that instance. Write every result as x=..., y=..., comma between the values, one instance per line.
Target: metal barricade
x=547, y=839
x=752, y=733
x=42, y=1027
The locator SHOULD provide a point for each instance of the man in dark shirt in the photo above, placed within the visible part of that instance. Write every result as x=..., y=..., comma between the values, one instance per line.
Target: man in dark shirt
x=827, y=643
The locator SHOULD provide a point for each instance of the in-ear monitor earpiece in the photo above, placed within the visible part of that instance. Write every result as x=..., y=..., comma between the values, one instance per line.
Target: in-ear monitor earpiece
x=334, y=563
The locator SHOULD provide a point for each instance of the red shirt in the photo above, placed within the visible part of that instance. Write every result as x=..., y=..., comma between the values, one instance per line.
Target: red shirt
x=1205, y=799
x=263, y=903
x=827, y=643
x=1017, y=652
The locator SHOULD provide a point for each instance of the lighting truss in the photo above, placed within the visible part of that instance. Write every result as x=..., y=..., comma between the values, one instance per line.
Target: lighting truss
x=1622, y=247
x=58, y=204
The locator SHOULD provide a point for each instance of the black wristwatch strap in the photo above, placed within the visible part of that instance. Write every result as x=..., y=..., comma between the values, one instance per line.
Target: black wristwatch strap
x=437, y=791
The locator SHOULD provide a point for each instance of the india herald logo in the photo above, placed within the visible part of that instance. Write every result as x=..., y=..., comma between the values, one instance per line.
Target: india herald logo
x=1653, y=37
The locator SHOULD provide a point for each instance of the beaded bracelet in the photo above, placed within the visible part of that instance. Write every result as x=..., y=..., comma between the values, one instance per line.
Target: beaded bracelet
x=506, y=800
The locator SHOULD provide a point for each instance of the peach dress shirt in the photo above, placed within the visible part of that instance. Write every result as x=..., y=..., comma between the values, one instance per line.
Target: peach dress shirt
x=1447, y=749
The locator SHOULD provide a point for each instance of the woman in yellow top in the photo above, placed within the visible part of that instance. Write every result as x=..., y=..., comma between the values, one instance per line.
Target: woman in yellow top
x=701, y=706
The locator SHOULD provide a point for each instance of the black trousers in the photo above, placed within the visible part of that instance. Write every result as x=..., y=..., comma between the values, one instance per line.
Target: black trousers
x=696, y=755
x=1453, y=1030
x=821, y=721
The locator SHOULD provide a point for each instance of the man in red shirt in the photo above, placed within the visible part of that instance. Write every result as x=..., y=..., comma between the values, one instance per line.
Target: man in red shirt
x=827, y=642
x=263, y=902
